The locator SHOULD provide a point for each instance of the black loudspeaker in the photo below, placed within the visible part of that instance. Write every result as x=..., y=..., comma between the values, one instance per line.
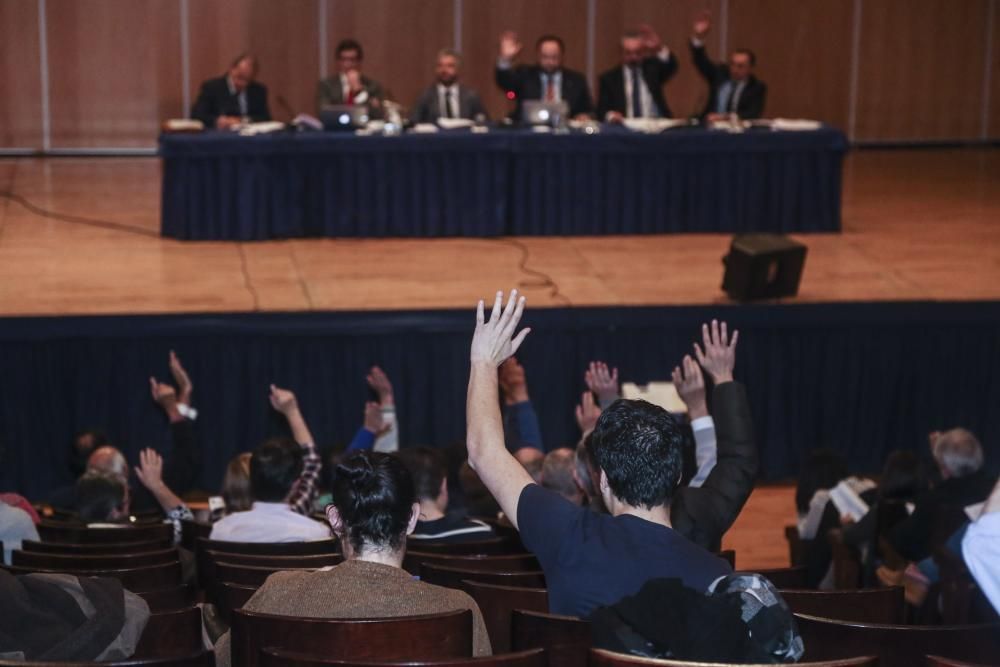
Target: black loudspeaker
x=763, y=266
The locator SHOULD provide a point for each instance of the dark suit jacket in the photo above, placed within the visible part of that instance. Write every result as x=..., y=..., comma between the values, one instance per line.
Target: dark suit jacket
x=611, y=86
x=330, y=92
x=215, y=100
x=426, y=108
x=751, y=102
x=525, y=81
x=704, y=514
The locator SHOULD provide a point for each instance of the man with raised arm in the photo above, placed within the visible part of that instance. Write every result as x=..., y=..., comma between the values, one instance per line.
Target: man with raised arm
x=593, y=559
x=732, y=86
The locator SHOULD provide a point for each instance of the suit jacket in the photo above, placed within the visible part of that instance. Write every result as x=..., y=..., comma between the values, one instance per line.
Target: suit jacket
x=611, y=86
x=705, y=513
x=427, y=108
x=751, y=102
x=330, y=92
x=215, y=100
x=525, y=81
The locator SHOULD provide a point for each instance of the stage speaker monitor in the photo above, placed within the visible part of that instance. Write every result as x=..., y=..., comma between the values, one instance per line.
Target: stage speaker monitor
x=763, y=266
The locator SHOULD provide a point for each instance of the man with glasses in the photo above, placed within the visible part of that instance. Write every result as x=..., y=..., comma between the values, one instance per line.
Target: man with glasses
x=349, y=85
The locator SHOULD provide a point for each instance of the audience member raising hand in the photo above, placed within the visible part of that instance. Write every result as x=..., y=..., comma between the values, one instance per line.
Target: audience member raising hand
x=718, y=357
x=587, y=413
x=690, y=384
x=150, y=473
x=603, y=382
x=304, y=491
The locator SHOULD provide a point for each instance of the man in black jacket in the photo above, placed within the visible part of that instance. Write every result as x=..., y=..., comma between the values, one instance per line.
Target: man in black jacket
x=732, y=86
x=634, y=89
x=652, y=529
x=547, y=81
x=227, y=100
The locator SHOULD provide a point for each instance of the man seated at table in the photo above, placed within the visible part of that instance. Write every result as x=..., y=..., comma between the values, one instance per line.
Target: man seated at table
x=732, y=86
x=349, y=85
x=447, y=98
x=634, y=89
x=548, y=80
x=233, y=97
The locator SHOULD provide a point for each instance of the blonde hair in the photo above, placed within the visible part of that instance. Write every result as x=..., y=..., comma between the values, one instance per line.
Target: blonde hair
x=236, y=484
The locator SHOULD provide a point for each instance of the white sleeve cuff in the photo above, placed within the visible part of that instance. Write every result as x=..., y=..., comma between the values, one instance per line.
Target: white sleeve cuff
x=361, y=97
x=503, y=63
x=187, y=411
x=702, y=423
x=697, y=43
x=664, y=54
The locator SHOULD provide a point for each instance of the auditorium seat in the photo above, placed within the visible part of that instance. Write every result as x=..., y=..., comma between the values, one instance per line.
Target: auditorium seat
x=170, y=599
x=247, y=575
x=282, y=658
x=171, y=634
x=312, y=548
x=276, y=562
x=796, y=546
x=71, y=562
x=71, y=533
x=502, y=563
x=784, y=577
x=728, y=555
x=601, y=658
x=137, y=579
x=497, y=603
x=447, y=635
x=112, y=548
x=864, y=605
x=566, y=639
x=230, y=596
x=452, y=577
x=938, y=661
x=896, y=645
x=200, y=659
x=191, y=531
x=491, y=546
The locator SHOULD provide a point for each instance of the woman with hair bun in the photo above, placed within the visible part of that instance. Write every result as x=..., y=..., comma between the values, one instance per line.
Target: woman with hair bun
x=374, y=508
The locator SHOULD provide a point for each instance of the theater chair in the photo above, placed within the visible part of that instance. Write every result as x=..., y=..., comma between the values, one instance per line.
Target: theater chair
x=497, y=603
x=170, y=599
x=784, y=577
x=601, y=658
x=452, y=577
x=281, y=658
x=864, y=605
x=111, y=548
x=171, y=634
x=502, y=563
x=51, y=531
x=231, y=596
x=491, y=546
x=69, y=562
x=200, y=659
x=430, y=636
x=566, y=639
x=897, y=645
x=938, y=661
x=137, y=579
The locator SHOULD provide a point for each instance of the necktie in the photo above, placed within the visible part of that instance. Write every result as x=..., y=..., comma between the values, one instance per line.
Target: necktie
x=449, y=96
x=636, y=92
x=550, y=88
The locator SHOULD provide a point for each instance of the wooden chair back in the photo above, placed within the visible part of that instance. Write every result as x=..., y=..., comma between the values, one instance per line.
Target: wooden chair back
x=938, y=661
x=136, y=579
x=191, y=531
x=785, y=577
x=502, y=563
x=313, y=548
x=447, y=635
x=488, y=546
x=70, y=562
x=171, y=634
x=601, y=658
x=728, y=555
x=797, y=547
x=110, y=548
x=566, y=639
x=247, y=575
x=71, y=533
x=232, y=596
x=200, y=659
x=896, y=645
x=864, y=605
x=452, y=577
x=497, y=603
x=170, y=599
x=282, y=658
x=309, y=562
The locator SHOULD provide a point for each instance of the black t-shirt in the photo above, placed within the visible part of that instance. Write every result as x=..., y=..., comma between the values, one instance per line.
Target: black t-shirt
x=451, y=528
x=593, y=559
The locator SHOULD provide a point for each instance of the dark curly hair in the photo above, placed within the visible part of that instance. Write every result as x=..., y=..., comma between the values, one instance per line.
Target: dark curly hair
x=638, y=446
x=374, y=495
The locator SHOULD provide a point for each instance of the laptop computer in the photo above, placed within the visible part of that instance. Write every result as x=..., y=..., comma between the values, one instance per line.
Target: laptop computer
x=343, y=117
x=537, y=112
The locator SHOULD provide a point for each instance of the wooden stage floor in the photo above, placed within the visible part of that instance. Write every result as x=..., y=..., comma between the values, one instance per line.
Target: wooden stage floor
x=918, y=224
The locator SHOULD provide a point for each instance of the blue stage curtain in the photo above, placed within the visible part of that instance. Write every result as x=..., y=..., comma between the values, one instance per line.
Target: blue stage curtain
x=861, y=378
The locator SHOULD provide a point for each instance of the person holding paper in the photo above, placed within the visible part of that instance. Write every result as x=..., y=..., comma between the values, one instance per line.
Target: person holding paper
x=349, y=86
x=447, y=97
x=226, y=101
x=634, y=88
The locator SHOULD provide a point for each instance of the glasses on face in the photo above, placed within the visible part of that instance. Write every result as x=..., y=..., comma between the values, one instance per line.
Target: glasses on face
x=348, y=58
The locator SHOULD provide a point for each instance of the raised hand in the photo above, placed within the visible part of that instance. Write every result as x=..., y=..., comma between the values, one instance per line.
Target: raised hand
x=587, y=413
x=513, y=382
x=283, y=400
x=374, y=421
x=184, y=385
x=380, y=384
x=719, y=356
x=150, y=469
x=602, y=381
x=163, y=393
x=510, y=46
x=354, y=82
x=702, y=24
x=494, y=341
x=690, y=386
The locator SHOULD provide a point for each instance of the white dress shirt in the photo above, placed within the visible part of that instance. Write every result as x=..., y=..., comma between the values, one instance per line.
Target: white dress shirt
x=705, y=448
x=269, y=522
x=345, y=90
x=981, y=552
x=648, y=109
x=241, y=97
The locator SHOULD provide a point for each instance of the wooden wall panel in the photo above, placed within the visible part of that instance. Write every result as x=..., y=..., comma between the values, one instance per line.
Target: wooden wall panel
x=114, y=70
x=686, y=92
x=993, y=121
x=400, y=39
x=803, y=54
x=482, y=23
x=284, y=36
x=20, y=81
x=921, y=69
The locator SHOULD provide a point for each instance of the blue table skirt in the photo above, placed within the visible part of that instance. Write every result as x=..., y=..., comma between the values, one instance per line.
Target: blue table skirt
x=225, y=187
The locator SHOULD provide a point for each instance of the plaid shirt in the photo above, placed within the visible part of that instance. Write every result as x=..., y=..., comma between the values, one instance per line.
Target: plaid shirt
x=304, y=491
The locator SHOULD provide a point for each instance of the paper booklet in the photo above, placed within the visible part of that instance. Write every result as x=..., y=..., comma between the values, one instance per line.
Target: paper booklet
x=848, y=502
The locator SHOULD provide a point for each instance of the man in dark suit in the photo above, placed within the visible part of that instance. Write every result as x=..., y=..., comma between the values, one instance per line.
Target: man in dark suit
x=547, y=81
x=634, y=89
x=447, y=98
x=732, y=86
x=227, y=100
x=349, y=85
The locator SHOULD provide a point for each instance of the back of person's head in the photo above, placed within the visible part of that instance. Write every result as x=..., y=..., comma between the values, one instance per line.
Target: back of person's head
x=374, y=500
x=274, y=467
x=557, y=474
x=428, y=468
x=532, y=459
x=101, y=497
x=903, y=476
x=638, y=447
x=957, y=453
x=108, y=460
x=236, y=484
x=822, y=469
x=478, y=500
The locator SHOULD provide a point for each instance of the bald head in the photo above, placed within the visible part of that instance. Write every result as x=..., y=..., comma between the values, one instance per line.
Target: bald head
x=108, y=461
x=557, y=474
x=531, y=459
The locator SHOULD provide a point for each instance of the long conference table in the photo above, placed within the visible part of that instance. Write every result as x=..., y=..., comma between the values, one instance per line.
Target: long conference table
x=222, y=186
